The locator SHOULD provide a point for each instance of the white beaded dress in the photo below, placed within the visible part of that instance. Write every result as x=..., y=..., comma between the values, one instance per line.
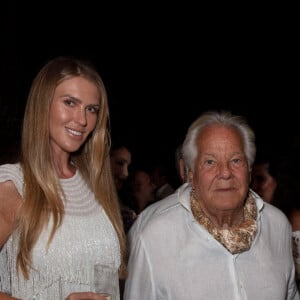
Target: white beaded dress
x=85, y=238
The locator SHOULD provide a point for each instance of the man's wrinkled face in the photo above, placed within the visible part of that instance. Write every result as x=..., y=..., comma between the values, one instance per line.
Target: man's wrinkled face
x=221, y=175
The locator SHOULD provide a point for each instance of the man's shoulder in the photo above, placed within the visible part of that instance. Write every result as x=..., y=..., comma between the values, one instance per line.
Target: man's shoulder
x=162, y=206
x=154, y=210
x=160, y=210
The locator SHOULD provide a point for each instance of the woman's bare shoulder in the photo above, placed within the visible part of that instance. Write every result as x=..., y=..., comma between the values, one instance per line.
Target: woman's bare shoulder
x=10, y=202
x=9, y=195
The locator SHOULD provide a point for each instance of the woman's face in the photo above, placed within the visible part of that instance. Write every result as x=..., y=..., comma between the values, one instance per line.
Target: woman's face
x=221, y=175
x=73, y=114
x=120, y=162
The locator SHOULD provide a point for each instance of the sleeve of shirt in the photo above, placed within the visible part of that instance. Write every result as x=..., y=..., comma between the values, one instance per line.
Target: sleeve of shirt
x=133, y=232
x=139, y=282
x=293, y=293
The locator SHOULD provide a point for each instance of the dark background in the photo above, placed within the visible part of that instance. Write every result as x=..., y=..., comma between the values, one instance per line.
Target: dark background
x=162, y=67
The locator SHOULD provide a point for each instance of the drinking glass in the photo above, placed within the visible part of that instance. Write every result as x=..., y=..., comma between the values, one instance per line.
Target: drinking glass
x=106, y=279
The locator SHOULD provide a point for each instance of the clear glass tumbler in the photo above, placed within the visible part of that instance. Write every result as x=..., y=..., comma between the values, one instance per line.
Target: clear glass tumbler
x=106, y=279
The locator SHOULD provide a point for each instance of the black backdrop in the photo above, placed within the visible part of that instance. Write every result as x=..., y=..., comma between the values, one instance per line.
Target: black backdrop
x=161, y=71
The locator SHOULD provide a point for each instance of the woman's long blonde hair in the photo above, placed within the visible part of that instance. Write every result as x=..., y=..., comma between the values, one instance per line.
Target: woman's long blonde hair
x=41, y=192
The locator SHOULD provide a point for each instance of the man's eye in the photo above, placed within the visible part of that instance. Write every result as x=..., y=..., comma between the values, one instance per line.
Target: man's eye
x=236, y=160
x=209, y=162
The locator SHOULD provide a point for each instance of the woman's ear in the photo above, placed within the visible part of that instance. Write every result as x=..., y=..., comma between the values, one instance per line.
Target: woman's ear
x=190, y=176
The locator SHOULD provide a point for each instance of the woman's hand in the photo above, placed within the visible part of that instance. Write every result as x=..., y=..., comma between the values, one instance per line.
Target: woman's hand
x=88, y=296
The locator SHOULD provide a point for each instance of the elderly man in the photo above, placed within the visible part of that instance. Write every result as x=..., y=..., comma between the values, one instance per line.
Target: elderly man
x=219, y=240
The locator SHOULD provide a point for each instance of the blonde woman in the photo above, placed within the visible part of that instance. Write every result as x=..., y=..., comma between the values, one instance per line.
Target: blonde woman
x=59, y=212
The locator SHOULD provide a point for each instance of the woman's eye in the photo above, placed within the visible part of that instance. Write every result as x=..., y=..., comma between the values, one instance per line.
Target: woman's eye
x=69, y=102
x=93, y=109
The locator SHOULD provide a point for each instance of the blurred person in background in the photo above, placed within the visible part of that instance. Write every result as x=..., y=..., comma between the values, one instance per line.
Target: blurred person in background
x=161, y=176
x=263, y=176
x=120, y=157
x=142, y=189
x=287, y=196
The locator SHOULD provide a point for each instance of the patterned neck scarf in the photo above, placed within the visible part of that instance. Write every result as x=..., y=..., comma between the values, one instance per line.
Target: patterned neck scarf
x=236, y=239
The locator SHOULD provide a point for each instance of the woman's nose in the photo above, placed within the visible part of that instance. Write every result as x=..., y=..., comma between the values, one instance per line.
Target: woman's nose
x=81, y=117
